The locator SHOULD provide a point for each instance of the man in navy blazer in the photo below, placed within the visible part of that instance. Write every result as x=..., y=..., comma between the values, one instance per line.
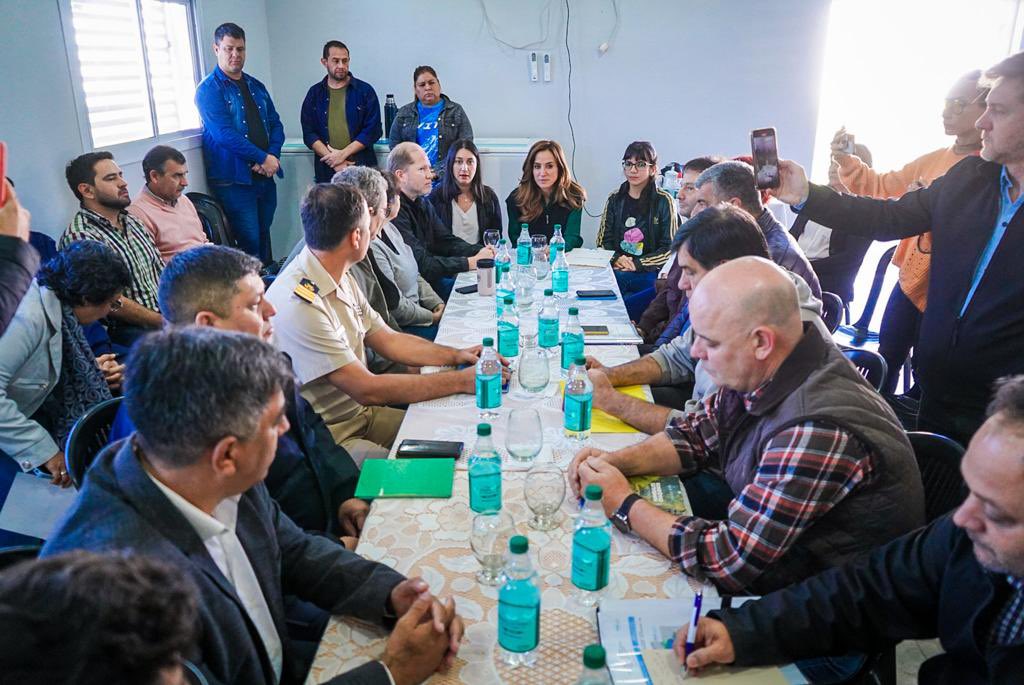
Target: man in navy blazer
x=187, y=489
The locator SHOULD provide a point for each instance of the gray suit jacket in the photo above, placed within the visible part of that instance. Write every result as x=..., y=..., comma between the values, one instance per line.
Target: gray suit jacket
x=119, y=508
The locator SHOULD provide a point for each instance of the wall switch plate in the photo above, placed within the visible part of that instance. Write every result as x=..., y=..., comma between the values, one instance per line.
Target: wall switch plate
x=547, y=66
x=533, y=67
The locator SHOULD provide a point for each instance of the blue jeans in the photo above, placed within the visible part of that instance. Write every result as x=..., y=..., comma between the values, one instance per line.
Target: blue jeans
x=250, y=210
x=425, y=332
x=633, y=282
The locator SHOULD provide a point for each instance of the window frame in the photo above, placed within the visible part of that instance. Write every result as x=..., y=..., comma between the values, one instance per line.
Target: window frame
x=130, y=152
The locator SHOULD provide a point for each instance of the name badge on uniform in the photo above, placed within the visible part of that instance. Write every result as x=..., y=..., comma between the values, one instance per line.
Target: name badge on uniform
x=307, y=290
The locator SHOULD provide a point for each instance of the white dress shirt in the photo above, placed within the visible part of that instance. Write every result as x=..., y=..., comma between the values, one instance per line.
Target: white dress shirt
x=218, y=535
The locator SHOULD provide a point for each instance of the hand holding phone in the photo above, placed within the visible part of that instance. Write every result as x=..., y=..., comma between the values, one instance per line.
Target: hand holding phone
x=765, y=152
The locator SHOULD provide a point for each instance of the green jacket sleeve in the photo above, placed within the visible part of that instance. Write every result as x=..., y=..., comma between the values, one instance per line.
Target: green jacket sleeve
x=572, y=230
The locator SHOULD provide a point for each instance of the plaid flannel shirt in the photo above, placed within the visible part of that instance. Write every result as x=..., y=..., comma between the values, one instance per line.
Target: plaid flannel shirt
x=804, y=472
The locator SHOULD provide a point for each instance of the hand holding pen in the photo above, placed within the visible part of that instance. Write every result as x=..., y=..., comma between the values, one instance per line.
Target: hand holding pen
x=702, y=642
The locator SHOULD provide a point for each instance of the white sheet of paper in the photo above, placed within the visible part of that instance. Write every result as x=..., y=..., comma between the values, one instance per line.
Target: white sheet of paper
x=33, y=506
x=588, y=256
x=663, y=668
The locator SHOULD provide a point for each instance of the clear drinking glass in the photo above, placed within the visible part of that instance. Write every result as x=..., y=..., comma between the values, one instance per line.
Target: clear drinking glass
x=489, y=540
x=540, y=256
x=491, y=237
x=524, y=436
x=534, y=367
x=544, y=490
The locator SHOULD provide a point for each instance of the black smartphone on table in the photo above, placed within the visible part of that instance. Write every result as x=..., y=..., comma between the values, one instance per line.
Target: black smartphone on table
x=594, y=330
x=409, y=449
x=595, y=294
x=467, y=289
x=764, y=148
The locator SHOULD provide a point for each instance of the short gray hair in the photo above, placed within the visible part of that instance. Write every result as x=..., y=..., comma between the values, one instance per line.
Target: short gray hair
x=733, y=179
x=367, y=180
x=188, y=388
x=402, y=156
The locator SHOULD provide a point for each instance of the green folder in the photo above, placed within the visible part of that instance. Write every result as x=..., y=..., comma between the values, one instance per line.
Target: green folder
x=421, y=477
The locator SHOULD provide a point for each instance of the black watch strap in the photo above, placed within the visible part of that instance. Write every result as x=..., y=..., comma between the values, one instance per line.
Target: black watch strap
x=620, y=519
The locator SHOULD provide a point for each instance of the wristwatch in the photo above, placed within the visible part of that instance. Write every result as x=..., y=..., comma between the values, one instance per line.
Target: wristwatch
x=620, y=519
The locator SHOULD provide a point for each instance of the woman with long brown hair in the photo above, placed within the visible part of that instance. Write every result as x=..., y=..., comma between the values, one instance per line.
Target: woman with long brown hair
x=547, y=196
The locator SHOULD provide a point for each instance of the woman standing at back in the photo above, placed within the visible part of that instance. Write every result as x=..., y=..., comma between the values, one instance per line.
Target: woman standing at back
x=547, y=196
x=638, y=222
x=463, y=202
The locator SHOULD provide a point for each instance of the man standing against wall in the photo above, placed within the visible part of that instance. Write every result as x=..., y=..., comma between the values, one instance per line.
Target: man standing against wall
x=242, y=139
x=340, y=117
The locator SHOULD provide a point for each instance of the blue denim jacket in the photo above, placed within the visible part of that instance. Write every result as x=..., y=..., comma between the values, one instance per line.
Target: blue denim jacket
x=362, y=112
x=227, y=152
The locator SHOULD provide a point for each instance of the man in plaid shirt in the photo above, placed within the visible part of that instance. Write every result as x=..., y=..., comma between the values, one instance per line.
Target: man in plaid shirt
x=98, y=183
x=819, y=467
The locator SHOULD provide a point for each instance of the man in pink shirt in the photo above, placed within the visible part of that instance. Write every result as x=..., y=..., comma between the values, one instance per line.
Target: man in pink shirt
x=162, y=206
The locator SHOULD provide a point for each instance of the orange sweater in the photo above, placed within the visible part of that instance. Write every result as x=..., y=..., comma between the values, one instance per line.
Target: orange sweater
x=913, y=255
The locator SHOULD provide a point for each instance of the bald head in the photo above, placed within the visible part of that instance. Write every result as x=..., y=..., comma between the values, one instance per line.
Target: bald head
x=753, y=291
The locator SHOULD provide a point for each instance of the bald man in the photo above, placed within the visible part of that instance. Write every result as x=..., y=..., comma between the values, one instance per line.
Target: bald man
x=820, y=470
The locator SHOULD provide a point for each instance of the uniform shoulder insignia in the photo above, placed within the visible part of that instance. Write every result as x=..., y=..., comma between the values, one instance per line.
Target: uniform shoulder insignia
x=307, y=290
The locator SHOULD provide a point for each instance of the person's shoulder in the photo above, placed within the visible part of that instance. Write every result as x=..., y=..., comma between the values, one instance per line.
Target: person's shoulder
x=362, y=85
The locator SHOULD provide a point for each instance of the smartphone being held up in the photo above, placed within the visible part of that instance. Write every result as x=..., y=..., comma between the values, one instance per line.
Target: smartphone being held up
x=764, y=149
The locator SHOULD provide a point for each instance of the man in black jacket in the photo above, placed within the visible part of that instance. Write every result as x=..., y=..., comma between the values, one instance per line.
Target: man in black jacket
x=439, y=253
x=961, y=579
x=972, y=329
x=18, y=260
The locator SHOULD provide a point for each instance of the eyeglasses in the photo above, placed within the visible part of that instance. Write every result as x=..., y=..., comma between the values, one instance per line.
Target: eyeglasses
x=958, y=105
x=639, y=166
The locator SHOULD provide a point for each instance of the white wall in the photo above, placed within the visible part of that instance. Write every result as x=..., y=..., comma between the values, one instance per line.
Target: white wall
x=37, y=105
x=692, y=77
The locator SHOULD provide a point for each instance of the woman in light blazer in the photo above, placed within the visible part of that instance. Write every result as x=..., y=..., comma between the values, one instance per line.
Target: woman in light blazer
x=49, y=376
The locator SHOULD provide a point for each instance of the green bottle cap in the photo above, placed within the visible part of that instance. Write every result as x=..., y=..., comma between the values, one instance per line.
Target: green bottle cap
x=580, y=361
x=558, y=227
x=488, y=342
x=548, y=292
x=518, y=544
x=574, y=311
x=594, y=657
x=509, y=300
x=484, y=429
x=592, y=493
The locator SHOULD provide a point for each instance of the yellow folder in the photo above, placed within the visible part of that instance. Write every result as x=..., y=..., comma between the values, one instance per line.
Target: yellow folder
x=603, y=422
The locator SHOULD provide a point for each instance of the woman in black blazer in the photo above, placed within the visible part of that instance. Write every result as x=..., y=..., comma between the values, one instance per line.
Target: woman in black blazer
x=463, y=202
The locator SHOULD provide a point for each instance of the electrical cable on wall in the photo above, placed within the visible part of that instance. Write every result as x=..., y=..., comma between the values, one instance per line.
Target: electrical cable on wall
x=568, y=60
x=545, y=23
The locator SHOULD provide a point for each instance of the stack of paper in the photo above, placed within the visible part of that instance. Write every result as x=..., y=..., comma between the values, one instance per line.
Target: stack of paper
x=588, y=256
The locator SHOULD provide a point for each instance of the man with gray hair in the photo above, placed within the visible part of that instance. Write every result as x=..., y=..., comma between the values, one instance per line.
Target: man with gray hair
x=733, y=182
x=187, y=489
x=820, y=469
x=440, y=254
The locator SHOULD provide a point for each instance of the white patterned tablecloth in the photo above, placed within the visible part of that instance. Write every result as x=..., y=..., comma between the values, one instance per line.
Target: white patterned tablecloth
x=430, y=537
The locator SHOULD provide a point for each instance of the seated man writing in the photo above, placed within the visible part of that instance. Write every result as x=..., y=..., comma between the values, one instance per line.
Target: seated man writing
x=325, y=324
x=961, y=580
x=187, y=489
x=819, y=467
x=713, y=237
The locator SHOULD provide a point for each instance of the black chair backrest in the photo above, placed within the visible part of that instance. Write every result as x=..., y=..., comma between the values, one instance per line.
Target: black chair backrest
x=870, y=364
x=87, y=437
x=831, y=310
x=215, y=221
x=9, y=556
x=938, y=459
x=864, y=322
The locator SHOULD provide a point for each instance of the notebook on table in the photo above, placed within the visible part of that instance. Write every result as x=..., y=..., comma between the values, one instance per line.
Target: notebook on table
x=389, y=478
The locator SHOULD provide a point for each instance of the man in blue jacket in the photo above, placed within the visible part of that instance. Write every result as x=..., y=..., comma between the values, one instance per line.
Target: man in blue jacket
x=242, y=139
x=340, y=117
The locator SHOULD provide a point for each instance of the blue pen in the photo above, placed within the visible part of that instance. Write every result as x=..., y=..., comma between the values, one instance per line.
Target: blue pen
x=691, y=634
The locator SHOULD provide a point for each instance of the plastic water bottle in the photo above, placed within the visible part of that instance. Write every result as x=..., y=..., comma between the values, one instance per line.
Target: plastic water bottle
x=560, y=275
x=484, y=472
x=508, y=329
x=594, y=670
x=504, y=288
x=591, y=548
x=502, y=255
x=488, y=381
x=390, y=112
x=671, y=182
x=524, y=246
x=556, y=244
x=547, y=321
x=519, y=607
x=579, y=401
x=572, y=340
x=526, y=280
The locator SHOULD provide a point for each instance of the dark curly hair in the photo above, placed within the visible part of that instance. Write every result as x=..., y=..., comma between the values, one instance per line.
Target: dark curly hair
x=113, y=619
x=85, y=272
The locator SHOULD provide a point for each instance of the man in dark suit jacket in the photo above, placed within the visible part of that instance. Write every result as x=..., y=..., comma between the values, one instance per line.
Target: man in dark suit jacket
x=188, y=490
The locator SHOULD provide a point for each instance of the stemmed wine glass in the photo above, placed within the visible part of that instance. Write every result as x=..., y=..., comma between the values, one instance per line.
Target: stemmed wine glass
x=524, y=436
x=491, y=237
x=544, y=490
x=489, y=539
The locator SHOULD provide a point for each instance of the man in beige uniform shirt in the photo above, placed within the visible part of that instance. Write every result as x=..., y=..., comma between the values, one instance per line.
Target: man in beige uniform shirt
x=324, y=323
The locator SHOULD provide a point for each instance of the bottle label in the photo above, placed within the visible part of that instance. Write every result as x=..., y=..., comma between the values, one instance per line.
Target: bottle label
x=560, y=280
x=524, y=254
x=488, y=391
x=548, y=332
x=485, y=485
x=572, y=347
x=591, y=553
x=577, y=412
x=518, y=625
x=508, y=339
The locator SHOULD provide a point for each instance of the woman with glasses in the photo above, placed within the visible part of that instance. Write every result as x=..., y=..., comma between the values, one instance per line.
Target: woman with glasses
x=49, y=376
x=638, y=222
x=469, y=208
x=547, y=196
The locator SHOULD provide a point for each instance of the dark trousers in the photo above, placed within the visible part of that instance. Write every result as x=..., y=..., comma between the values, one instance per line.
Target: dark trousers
x=959, y=422
x=425, y=332
x=250, y=210
x=897, y=334
x=637, y=303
